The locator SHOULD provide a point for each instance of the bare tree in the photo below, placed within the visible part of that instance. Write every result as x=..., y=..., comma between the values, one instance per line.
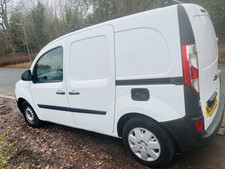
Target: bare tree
x=126, y=7
x=80, y=6
x=4, y=22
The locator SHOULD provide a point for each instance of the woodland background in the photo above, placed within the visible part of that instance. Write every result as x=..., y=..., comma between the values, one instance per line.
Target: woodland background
x=44, y=20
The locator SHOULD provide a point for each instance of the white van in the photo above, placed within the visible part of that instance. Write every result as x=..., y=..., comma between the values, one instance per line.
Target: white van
x=151, y=78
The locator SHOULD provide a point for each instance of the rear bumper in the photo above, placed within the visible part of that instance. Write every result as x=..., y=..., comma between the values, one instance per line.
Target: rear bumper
x=184, y=132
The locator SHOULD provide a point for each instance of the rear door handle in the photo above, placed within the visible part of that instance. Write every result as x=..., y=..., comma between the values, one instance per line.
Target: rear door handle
x=60, y=92
x=74, y=92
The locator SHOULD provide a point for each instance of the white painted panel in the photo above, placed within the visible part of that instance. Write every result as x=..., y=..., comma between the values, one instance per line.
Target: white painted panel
x=141, y=52
x=166, y=102
x=89, y=59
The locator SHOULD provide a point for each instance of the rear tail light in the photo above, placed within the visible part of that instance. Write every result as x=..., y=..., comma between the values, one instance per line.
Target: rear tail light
x=190, y=67
x=199, y=125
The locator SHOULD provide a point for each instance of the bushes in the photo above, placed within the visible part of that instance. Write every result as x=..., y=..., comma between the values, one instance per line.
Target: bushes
x=15, y=60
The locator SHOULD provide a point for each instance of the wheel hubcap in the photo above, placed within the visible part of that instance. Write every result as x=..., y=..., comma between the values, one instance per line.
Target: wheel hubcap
x=29, y=115
x=144, y=144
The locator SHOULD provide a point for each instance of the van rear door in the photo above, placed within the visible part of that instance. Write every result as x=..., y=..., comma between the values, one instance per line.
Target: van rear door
x=207, y=54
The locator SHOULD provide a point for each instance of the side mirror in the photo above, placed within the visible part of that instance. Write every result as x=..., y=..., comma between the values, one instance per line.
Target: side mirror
x=26, y=76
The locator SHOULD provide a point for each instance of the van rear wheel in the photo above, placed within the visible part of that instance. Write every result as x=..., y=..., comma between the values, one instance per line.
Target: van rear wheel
x=30, y=115
x=148, y=142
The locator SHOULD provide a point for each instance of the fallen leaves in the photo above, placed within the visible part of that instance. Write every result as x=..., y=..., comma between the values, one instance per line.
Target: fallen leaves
x=56, y=146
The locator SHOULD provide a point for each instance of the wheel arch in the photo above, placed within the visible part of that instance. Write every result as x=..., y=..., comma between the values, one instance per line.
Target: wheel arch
x=20, y=102
x=122, y=121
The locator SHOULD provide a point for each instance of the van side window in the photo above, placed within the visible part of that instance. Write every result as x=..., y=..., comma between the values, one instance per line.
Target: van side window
x=49, y=68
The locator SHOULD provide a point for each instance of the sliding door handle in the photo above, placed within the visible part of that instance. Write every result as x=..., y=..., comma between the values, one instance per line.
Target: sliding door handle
x=74, y=92
x=60, y=92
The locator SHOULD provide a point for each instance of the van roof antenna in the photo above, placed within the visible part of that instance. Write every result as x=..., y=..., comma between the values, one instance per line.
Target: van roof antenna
x=170, y=2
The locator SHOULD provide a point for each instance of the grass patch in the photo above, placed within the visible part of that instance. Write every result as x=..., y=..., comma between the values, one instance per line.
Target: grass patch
x=19, y=58
x=2, y=136
x=7, y=150
x=2, y=149
x=13, y=143
x=20, y=65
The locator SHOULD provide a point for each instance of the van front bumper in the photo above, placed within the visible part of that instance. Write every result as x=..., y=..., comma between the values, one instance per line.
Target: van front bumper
x=184, y=132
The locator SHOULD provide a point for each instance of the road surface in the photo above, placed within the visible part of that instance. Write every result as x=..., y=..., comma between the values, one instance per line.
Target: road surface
x=8, y=78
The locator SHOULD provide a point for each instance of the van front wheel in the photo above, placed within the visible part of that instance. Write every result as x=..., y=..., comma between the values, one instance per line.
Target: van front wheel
x=30, y=115
x=148, y=142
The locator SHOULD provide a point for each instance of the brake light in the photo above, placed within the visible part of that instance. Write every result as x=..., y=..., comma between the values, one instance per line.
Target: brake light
x=199, y=125
x=194, y=73
x=190, y=67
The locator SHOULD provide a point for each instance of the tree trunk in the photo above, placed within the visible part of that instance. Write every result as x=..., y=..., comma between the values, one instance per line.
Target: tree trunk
x=5, y=24
x=11, y=44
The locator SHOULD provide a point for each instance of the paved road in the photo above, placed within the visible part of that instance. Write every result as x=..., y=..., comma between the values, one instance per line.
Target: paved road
x=8, y=78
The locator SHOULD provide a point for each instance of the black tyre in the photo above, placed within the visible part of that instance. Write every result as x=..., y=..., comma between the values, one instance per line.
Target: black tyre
x=30, y=115
x=148, y=142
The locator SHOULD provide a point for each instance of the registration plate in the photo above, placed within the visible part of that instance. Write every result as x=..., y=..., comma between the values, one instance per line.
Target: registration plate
x=209, y=110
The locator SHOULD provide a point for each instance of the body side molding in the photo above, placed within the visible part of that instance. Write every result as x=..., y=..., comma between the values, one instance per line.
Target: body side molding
x=157, y=81
x=73, y=110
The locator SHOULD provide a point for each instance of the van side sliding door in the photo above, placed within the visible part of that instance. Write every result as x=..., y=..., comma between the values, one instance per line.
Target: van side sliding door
x=91, y=78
